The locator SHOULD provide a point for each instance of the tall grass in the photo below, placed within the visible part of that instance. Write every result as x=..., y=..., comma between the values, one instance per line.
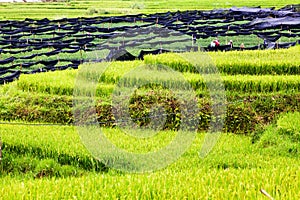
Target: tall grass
x=258, y=62
x=240, y=72
x=235, y=169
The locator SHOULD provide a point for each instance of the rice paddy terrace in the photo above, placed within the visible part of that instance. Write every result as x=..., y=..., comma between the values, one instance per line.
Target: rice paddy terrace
x=46, y=64
x=32, y=46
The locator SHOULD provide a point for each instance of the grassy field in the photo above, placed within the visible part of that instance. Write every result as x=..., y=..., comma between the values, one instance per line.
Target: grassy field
x=84, y=8
x=235, y=169
x=45, y=158
x=248, y=71
x=50, y=162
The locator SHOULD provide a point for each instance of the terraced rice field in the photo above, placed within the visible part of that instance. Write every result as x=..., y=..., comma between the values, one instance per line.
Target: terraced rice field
x=256, y=151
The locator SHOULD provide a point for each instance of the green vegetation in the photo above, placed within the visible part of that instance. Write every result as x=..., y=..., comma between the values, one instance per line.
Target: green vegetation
x=247, y=71
x=28, y=150
x=281, y=138
x=258, y=149
x=76, y=8
x=235, y=169
x=255, y=95
x=50, y=162
x=283, y=61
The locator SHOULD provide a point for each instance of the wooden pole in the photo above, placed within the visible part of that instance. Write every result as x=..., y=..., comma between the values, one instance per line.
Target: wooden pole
x=0, y=151
x=58, y=25
x=266, y=194
x=192, y=40
x=80, y=56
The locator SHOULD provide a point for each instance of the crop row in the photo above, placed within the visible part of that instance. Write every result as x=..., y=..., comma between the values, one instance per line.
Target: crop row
x=62, y=83
x=59, y=144
x=284, y=61
x=241, y=172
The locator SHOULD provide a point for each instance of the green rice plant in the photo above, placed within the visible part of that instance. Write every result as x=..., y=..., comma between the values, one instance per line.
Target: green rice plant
x=281, y=138
x=258, y=62
x=264, y=84
x=235, y=169
x=237, y=83
x=50, y=82
x=62, y=83
x=60, y=144
x=289, y=124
